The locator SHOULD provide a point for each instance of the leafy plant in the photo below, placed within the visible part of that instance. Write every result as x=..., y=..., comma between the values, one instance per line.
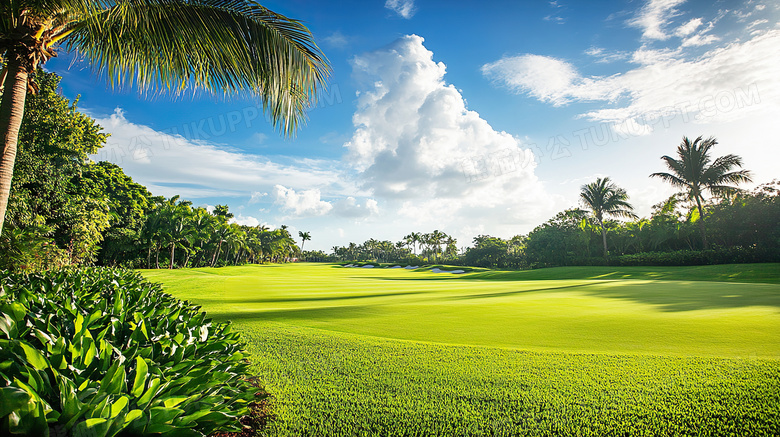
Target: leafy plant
x=104, y=352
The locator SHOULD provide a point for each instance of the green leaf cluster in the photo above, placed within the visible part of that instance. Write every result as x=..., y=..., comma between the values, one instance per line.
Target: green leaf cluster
x=104, y=352
x=54, y=143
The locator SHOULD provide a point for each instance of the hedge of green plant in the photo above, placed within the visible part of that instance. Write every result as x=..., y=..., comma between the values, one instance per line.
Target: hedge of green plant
x=731, y=255
x=102, y=352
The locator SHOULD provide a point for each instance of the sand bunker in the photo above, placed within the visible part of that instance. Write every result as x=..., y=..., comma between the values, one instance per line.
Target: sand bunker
x=438, y=270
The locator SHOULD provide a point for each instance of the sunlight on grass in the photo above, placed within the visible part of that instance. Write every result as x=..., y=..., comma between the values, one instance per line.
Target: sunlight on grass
x=570, y=351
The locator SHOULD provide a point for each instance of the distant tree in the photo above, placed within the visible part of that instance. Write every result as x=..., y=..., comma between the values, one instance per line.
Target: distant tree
x=412, y=239
x=305, y=236
x=695, y=172
x=603, y=198
x=487, y=252
x=559, y=241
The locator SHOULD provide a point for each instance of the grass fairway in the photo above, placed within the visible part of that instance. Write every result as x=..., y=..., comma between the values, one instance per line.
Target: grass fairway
x=568, y=351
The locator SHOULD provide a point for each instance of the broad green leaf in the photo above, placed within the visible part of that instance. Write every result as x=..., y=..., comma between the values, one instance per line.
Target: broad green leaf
x=96, y=427
x=163, y=414
x=15, y=310
x=118, y=407
x=8, y=326
x=89, y=351
x=133, y=415
x=79, y=322
x=149, y=394
x=141, y=371
x=34, y=357
x=11, y=399
x=173, y=401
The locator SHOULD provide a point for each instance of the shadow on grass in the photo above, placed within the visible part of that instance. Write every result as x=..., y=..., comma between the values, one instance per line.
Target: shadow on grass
x=692, y=296
x=668, y=289
x=529, y=290
x=750, y=273
x=319, y=314
x=319, y=298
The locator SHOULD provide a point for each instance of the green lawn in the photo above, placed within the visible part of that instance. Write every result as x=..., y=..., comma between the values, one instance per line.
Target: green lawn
x=568, y=351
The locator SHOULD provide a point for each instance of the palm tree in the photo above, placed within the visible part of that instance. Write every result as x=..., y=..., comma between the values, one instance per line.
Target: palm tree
x=695, y=172
x=603, y=198
x=412, y=239
x=305, y=236
x=235, y=46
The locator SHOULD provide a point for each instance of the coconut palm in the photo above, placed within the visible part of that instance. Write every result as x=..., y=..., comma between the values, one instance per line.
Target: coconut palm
x=412, y=239
x=603, y=198
x=305, y=236
x=234, y=46
x=695, y=172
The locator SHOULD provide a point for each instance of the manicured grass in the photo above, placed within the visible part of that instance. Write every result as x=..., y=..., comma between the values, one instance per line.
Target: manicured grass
x=571, y=351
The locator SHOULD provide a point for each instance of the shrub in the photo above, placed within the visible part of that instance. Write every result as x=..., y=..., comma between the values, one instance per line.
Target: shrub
x=102, y=352
x=731, y=255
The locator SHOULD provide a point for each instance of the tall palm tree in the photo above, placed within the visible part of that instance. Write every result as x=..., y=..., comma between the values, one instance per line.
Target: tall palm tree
x=603, y=198
x=235, y=46
x=695, y=172
x=305, y=236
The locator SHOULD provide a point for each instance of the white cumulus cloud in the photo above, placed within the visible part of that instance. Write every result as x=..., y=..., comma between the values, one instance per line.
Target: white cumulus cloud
x=417, y=145
x=303, y=203
x=352, y=208
x=245, y=220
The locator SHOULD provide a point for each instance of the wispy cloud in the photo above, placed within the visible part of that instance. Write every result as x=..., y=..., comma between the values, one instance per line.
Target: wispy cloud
x=666, y=79
x=404, y=8
x=653, y=18
x=557, y=15
x=170, y=164
x=605, y=57
x=336, y=40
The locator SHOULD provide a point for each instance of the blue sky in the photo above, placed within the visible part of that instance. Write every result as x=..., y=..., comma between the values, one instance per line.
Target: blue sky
x=471, y=118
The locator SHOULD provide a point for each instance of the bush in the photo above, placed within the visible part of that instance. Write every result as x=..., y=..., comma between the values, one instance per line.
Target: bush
x=102, y=352
x=731, y=255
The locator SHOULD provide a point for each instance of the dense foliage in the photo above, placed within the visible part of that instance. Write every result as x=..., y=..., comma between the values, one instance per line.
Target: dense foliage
x=65, y=209
x=104, y=352
x=51, y=219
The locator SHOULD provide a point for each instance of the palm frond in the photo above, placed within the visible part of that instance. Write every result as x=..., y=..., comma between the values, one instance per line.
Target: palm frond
x=673, y=180
x=231, y=46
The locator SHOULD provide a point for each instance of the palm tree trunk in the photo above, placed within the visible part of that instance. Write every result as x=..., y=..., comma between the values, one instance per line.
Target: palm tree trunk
x=11, y=114
x=173, y=248
x=701, y=224
x=216, y=254
x=157, y=257
x=603, y=238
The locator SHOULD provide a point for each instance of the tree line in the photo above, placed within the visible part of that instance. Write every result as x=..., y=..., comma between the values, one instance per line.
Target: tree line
x=732, y=225
x=435, y=246
x=744, y=227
